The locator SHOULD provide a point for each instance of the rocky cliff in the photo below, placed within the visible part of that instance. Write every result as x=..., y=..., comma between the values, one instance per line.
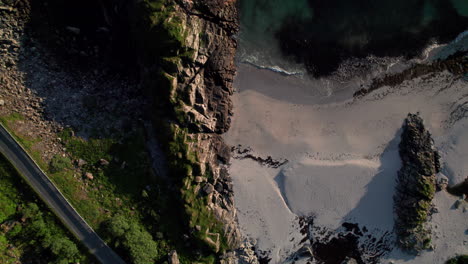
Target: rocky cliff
x=186, y=50
x=416, y=186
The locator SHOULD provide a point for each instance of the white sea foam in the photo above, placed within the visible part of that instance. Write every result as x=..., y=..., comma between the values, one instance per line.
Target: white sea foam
x=276, y=69
x=459, y=44
x=461, y=36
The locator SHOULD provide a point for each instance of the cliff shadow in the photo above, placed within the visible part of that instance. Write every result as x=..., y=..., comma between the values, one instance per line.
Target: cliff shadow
x=69, y=73
x=78, y=60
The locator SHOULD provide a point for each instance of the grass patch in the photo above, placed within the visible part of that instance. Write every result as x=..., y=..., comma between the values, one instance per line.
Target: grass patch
x=59, y=163
x=25, y=141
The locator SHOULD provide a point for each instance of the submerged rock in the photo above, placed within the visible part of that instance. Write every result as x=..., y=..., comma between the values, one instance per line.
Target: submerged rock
x=416, y=186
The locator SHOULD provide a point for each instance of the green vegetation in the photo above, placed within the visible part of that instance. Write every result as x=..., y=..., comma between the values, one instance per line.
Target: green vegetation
x=26, y=141
x=121, y=191
x=183, y=162
x=59, y=163
x=463, y=259
x=426, y=188
x=28, y=228
x=160, y=30
x=129, y=236
x=120, y=169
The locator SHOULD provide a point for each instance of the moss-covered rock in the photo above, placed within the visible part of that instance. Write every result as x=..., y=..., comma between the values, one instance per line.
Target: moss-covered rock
x=416, y=186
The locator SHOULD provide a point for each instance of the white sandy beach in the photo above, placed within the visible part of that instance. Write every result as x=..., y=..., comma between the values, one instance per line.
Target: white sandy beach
x=343, y=156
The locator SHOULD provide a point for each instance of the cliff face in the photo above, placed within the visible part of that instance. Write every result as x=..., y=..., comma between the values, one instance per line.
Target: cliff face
x=187, y=54
x=206, y=83
x=416, y=186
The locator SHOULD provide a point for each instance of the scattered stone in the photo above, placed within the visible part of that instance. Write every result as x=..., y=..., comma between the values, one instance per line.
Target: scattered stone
x=442, y=182
x=243, y=255
x=208, y=188
x=198, y=179
x=89, y=175
x=81, y=163
x=103, y=162
x=219, y=187
x=2, y=102
x=6, y=8
x=173, y=258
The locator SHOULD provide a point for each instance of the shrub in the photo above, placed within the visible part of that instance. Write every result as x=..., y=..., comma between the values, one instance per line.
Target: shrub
x=133, y=238
x=59, y=163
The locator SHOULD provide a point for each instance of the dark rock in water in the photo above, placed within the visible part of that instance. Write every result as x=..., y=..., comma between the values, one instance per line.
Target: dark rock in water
x=457, y=64
x=416, y=186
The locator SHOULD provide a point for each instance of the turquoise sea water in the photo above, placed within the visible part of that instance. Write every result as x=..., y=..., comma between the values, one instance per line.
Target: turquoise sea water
x=316, y=35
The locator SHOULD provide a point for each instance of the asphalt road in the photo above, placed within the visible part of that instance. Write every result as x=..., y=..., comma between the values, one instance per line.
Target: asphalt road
x=55, y=200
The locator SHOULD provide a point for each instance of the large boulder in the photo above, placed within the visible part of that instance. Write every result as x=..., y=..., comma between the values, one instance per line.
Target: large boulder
x=416, y=186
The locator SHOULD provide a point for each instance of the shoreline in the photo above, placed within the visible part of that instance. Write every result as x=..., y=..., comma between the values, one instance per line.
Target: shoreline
x=324, y=131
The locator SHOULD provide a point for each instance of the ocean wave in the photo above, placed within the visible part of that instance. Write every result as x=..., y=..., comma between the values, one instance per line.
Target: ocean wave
x=272, y=61
x=461, y=36
x=460, y=43
x=276, y=69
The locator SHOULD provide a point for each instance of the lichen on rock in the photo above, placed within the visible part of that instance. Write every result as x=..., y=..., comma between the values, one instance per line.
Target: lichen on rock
x=416, y=186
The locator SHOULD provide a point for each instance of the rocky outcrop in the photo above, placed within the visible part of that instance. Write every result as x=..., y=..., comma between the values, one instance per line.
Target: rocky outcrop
x=243, y=255
x=416, y=186
x=457, y=64
x=187, y=54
